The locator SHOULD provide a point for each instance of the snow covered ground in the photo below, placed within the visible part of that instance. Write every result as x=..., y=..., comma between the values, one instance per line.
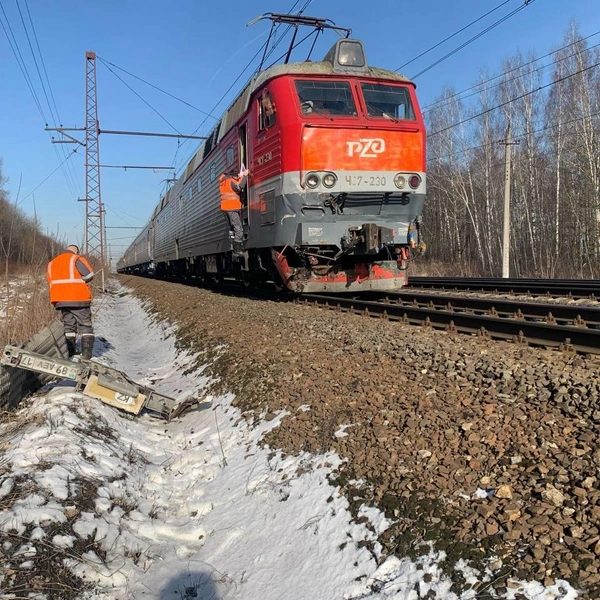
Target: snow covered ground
x=195, y=508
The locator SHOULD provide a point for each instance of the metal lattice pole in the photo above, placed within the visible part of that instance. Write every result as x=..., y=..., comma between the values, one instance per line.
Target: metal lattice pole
x=94, y=230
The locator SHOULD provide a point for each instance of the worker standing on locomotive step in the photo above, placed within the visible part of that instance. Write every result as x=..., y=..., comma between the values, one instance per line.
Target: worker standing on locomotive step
x=231, y=187
x=68, y=276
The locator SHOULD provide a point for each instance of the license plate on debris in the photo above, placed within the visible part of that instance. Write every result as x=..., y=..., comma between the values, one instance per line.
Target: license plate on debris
x=47, y=365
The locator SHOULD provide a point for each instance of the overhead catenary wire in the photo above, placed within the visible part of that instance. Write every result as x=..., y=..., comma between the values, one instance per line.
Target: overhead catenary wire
x=519, y=137
x=448, y=99
x=73, y=152
x=35, y=62
x=537, y=89
x=293, y=47
x=107, y=63
x=453, y=35
x=475, y=37
x=69, y=165
x=142, y=99
x=70, y=177
x=14, y=45
x=115, y=209
x=23, y=67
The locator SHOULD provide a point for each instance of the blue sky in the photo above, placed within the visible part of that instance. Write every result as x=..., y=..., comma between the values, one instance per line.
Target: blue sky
x=195, y=51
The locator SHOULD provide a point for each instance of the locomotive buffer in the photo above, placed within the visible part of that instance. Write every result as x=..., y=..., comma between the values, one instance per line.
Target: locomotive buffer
x=111, y=386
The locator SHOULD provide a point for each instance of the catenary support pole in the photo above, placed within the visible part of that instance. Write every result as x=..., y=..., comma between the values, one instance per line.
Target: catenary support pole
x=506, y=234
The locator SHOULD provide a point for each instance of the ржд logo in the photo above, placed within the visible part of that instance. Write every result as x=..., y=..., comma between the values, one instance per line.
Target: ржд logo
x=366, y=147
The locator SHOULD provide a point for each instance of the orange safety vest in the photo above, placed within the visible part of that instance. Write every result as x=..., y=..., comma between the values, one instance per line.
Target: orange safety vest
x=66, y=284
x=229, y=199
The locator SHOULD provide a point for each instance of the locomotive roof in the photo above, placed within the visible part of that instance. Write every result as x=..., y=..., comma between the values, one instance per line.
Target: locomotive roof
x=320, y=68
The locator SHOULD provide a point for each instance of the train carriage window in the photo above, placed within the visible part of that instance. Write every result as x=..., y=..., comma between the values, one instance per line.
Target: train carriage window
x=199, y=182
x=266, y=111
x=325, y=97
x=388, y=101
x=213, y=172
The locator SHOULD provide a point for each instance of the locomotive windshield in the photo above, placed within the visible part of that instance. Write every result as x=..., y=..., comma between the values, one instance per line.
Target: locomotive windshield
x=388, y=101
x=325, y=97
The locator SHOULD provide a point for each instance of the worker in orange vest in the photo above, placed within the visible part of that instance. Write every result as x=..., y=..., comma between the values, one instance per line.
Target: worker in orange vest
x=68, y=276
x=231, y=188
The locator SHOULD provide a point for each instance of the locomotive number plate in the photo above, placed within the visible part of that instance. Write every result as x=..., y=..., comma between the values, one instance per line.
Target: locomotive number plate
x=366, y=180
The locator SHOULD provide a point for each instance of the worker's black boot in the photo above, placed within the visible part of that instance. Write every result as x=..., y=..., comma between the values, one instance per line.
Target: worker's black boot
x=87, y=346
x=71, y=346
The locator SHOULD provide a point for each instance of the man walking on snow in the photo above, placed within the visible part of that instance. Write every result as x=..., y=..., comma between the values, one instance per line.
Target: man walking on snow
x=68, y=276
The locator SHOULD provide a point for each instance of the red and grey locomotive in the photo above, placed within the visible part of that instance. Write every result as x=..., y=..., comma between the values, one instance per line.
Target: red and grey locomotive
x=336, y=154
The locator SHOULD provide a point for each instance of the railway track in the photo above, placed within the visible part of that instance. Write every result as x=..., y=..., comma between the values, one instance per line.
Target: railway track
x=570, y=328
x=530, y=310
x=573, y=328
x=573, y=288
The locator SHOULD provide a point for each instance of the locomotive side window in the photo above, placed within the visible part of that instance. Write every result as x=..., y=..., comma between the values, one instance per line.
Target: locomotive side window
x=266, y=111
x=325, y=97
x=230, y=156
x=388, y=101
x=212, y=139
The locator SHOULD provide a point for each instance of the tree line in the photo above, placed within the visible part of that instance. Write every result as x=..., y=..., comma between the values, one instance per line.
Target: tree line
x=552, y=104
x=21, y=239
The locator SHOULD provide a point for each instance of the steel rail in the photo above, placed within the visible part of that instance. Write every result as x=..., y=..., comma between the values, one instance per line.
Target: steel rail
x=556, y=287
x=579, y=315
x=566, y=337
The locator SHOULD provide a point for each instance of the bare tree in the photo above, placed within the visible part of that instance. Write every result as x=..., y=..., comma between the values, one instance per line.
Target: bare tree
x=554, y=111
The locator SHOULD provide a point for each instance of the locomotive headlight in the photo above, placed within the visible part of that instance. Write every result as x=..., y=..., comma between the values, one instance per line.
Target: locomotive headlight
x=414, y=181
x=312, y=180
x=329, y=180
x=399, y=181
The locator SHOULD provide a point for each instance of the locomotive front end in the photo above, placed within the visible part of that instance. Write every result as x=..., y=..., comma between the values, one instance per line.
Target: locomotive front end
x=359, y=194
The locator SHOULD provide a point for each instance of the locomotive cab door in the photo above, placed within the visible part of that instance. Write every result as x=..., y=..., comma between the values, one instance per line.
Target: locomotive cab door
x=243, y=141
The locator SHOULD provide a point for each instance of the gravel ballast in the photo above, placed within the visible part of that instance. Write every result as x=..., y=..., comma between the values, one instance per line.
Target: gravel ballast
x=487, y=449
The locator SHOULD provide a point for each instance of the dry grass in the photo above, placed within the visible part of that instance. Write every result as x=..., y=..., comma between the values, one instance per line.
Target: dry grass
x=24, y=304
x=423, y=266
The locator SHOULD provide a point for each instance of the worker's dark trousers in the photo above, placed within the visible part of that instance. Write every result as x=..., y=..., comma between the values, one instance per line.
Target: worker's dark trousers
x=235, y=224
x=75, y=319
